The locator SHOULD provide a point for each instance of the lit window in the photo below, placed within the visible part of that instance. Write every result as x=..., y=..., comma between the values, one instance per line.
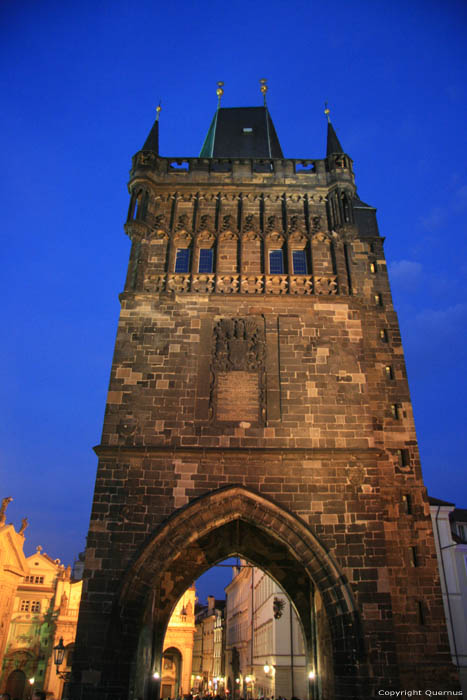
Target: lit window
x=379, y=299
x=389, y=372
x=182, y=261
x=206, y=259
x=395, y=412
x=299, y=262
x=373, y=268
x=247, y=130
x=383, y=334
x=276, y=262
x=407, y=503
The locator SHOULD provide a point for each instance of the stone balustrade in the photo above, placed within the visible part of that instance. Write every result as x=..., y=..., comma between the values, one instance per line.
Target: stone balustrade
x=241, y=284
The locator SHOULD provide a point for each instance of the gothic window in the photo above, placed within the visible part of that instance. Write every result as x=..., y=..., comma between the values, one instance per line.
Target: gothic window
x=276, y=262
x=206, y=260
x=299, y=262
x=182, y=260
x=138, y=205
x=346, y=208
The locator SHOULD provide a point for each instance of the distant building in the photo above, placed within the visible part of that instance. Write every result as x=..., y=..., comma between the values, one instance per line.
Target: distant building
x=450, y=531
x=13, y=568
x=178, y=648
x=208, y=648
x=45, y=609
x=265, y=654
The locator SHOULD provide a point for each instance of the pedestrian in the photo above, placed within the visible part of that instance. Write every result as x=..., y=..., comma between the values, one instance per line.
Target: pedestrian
x=39, y=695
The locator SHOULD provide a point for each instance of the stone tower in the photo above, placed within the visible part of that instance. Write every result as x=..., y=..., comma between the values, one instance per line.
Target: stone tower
x=258, y=405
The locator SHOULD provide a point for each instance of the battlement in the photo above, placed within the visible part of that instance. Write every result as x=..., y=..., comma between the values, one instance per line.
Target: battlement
x=304, y=171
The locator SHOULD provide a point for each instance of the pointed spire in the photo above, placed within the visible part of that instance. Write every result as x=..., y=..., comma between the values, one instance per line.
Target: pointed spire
x=263, y=88
x=152, y=141
x=219, y=93
x=333, y=144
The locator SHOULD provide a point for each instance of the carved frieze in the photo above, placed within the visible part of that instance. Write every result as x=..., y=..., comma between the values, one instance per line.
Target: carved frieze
x=227, y=222
x=182, y=223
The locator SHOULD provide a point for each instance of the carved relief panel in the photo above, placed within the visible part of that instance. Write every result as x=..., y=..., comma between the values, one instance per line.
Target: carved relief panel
x=237, y=370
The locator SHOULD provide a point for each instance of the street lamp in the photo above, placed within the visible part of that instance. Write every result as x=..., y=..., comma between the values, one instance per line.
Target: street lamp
x=312, y=675
x=59, y=655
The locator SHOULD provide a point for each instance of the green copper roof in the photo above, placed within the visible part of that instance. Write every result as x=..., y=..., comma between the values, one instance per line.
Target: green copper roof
x=208, y=145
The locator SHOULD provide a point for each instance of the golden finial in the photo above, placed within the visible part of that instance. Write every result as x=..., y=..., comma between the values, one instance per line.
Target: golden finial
x=327, y=111
x=158, y=110
x=219, y=92
x=263, y=88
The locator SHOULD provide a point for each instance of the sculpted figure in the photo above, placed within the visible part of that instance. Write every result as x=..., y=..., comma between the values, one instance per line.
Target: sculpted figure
x=5, y=503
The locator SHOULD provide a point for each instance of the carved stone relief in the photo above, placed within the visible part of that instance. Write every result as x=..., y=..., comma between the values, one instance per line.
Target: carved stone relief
x=237, y=370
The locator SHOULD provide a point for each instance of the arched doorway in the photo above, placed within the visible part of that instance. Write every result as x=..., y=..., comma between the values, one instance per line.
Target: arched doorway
x=232, y=521
x=171, y=673
x=15, y=684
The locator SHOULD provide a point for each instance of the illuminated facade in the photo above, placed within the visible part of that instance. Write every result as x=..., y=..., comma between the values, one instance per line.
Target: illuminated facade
x=178, y=648
x=13, y=568
x=265, y=654
x=45, y=610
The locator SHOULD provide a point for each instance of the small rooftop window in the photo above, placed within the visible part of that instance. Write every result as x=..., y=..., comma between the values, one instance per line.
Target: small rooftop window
x=247, y=130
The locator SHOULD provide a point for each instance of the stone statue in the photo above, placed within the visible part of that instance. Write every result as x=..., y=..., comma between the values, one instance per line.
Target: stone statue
x=5, y=503
x=24, y=525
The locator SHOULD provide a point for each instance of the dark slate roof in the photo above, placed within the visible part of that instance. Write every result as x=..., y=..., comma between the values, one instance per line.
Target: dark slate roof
x=333, y=144
x=365, y=218
x=152, y=141
x=358, y=204
x=438, y=502
x=241, y=132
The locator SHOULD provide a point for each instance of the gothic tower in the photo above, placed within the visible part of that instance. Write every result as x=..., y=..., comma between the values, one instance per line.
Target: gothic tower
x=258, y=405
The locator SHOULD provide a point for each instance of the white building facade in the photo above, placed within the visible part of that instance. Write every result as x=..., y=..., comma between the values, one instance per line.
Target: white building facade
x=450, y=531
x=265, y=654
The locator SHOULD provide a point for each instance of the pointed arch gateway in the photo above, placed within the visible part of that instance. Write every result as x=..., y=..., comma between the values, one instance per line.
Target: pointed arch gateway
x=230, y=521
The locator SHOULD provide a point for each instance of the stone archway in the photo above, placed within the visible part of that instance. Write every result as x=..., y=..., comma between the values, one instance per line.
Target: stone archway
x=230, y=521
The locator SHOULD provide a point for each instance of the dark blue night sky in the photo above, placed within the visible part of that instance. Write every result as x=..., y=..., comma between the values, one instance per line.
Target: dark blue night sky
x=80, y=85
